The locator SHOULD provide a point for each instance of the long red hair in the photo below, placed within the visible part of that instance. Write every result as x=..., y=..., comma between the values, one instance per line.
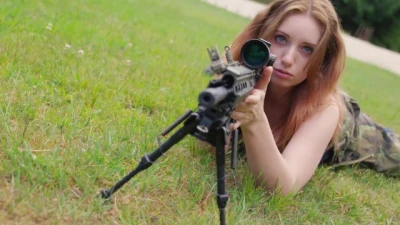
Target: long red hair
x=325, y=66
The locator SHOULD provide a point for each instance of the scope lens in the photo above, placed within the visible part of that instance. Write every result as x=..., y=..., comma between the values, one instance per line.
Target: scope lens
x=255, y=54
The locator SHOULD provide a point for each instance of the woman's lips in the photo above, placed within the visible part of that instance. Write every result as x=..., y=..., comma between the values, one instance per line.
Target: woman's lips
x=282, y=73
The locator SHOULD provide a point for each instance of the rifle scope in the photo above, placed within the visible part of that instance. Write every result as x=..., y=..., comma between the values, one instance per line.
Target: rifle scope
x=255, y=54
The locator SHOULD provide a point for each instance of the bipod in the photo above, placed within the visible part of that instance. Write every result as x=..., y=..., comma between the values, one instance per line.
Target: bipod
x=192, y=120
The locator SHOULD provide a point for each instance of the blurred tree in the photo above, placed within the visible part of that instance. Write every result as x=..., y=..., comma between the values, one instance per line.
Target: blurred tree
x=373, y=20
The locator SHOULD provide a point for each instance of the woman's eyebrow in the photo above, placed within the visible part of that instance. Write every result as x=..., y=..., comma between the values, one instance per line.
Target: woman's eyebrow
x=285, y=34
x=311, y=45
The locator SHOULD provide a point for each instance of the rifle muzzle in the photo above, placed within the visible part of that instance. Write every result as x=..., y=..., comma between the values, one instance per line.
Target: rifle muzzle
x=212, y=96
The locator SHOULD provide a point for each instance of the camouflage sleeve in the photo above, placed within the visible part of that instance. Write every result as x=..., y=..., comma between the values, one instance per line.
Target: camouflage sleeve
x=365, y=142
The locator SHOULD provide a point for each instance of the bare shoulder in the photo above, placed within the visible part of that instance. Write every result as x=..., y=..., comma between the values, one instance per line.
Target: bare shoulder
x=325, y=119
x=330, y=108
x=330, y=103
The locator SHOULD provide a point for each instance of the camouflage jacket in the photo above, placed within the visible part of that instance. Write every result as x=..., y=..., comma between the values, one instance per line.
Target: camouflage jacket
x=364, y=142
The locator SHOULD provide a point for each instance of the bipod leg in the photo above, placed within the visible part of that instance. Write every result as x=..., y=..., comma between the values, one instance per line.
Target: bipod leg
x=234, y=147
x=222, y=196
x=149, y=159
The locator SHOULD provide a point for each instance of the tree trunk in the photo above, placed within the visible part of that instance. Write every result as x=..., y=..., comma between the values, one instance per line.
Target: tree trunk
x=364, y=32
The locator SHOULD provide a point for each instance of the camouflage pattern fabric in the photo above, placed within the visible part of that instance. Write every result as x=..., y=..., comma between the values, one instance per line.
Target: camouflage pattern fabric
x=365, y=142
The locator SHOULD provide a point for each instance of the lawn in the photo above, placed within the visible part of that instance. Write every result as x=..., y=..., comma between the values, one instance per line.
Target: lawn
x=87, y=86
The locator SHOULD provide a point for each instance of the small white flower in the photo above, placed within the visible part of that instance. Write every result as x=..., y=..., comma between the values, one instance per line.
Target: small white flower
x=81, y=52
x=164, y=89
x=67, y=46
x=129, y=45
x=128, y=62
x=171, y=41
x=49, y=26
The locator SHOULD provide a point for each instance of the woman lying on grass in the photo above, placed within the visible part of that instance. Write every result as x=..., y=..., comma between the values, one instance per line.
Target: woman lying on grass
x=296, y=118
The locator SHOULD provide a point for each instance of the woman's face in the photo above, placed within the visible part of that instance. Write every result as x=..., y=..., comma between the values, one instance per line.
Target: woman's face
x=293, y=43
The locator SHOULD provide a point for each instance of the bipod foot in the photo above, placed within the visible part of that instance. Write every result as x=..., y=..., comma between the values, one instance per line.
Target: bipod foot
x=148, y=160
x=105, y=194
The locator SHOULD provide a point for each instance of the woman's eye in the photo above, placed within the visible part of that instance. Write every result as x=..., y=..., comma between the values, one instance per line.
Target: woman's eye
x=280, y=39
x=308, y=50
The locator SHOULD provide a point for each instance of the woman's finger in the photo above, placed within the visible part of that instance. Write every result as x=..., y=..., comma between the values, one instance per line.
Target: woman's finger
x=263, y=82
x=252, y=99
x=236, y=125
x=237, y=115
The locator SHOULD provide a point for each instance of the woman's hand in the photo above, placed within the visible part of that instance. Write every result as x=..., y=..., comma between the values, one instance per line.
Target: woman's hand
x=251, y=109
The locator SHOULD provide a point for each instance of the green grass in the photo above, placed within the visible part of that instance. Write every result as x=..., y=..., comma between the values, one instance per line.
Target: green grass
x=73, y=124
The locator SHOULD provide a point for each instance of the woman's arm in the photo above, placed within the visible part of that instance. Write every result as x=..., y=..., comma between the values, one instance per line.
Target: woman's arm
x=292, y=169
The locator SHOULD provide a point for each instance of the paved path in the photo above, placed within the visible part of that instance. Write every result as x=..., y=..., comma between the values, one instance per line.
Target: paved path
x=355, y=48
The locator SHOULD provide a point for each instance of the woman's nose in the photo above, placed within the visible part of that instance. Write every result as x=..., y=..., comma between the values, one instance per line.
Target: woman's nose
x=288, y=57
